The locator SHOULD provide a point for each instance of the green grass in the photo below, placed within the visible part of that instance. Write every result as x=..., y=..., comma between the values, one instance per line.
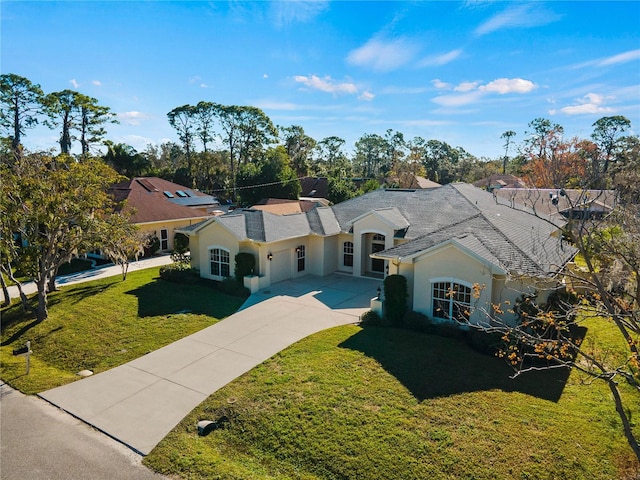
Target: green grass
x=353, y=403
x=101, y=324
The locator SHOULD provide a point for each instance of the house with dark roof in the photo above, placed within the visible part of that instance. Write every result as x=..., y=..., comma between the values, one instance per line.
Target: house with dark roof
x=159, y=206
x=461, y=251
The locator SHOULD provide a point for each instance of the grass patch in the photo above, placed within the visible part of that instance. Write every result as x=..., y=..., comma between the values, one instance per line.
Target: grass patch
x=104, y=323
x=353, y=403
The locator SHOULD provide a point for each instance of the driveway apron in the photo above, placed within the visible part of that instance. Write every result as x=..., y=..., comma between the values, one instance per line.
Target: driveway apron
x=139, y=402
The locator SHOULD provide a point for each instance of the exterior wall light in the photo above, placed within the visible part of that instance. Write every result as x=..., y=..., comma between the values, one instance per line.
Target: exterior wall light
x=269, y=256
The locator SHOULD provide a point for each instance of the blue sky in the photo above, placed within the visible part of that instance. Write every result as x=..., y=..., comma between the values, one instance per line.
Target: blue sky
x=459, y=72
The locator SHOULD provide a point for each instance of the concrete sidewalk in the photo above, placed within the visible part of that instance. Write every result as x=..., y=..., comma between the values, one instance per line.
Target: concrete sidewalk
x=93, y=274
x=140, y=402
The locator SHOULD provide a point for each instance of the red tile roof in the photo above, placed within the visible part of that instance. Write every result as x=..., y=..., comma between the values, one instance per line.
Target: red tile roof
x=145, y=196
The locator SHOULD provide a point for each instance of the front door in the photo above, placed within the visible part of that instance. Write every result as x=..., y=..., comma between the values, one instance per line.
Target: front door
x=377, y=245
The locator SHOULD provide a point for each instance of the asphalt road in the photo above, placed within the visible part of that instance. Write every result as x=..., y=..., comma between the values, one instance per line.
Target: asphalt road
x=39, y=441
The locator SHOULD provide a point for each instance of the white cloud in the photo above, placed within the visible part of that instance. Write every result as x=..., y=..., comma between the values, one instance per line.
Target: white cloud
x=457, y=100
x=518, y=16
x=471, y=92
x=440, y=85
x=465, y=87
x=140, y=143
x=97, y=83
x=74, y=83
x=383, y=55
x=326, y=84
x=287, y=12
x=621, y=58
x=591, y=103
x=132, y=118
x=508, y=85
x=367, y=96
x=204, y=85
x=265, y=76
x=439, y=60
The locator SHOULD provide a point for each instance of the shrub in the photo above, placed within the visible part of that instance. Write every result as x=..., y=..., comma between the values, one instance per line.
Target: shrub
x=483, y=342
x=180, y=243
x=245, y=265
x=371, y=319
x=395, y=299
x=231, y=286
x=418, y=321
x=179, y=273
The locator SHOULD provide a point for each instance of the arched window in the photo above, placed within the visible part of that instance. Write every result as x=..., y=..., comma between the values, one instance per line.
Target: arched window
x=219, y=262
x=451, y=300
x=347, y=254
x=301, y=251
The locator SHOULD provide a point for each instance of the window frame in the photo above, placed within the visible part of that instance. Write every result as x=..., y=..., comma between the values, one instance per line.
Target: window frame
x=450, y=299
x=164, y=239
x=220, y=263
x=301, y=254
x=347, y=253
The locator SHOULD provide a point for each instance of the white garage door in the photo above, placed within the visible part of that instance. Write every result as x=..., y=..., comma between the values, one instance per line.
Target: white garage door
x=281, y=266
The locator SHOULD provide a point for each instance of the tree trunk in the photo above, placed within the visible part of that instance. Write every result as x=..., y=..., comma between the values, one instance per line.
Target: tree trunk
x=41, y=312
x=23, y=298
x=5, y=292
x=626, y=425
x=51, y=283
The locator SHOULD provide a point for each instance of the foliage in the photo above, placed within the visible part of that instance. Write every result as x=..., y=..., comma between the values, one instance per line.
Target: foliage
x=60, y=208
x=395, y=299
x=356, y=403
x=339, y=190
x=126, y=160
x=180, y=243
x=371, y=319
x=245, y=264
x=122, y=241
x=105, y=323
x=231, y=286
x=180, y=273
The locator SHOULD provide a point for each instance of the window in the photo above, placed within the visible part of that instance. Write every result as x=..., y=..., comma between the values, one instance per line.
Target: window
x=168, y=194
x=301, y=257
x=451, y=300
x=219, y=262
x=164, y=239
x=347, y=250
x=181, y=194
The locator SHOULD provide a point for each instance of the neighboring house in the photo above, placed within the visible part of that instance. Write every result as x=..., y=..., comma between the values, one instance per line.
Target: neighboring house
x=409, y=180
x=281, y=206
x=498, y=180
x=160, y=207
x=566, y=202
x=314, y=187
x=455, y=238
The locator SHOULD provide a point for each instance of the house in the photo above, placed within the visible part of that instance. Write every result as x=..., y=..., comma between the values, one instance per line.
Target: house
x=160, y=207
x=565, y=202
x=281, y=206
x=498, y=181
x=455, y=238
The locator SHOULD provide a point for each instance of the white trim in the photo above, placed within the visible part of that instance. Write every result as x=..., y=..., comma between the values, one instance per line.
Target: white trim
x=210, y=248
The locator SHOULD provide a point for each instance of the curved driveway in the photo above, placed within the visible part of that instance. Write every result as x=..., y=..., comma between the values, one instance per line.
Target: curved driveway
x=138, y=403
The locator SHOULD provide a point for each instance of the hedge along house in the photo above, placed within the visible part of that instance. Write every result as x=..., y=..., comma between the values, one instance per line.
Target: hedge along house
x=159, y=206
x=444, y=240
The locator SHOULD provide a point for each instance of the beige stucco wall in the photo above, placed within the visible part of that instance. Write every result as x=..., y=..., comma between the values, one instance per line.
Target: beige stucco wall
x=214, y=236
x=155, y=227
x=369, y=224
x=449, y=263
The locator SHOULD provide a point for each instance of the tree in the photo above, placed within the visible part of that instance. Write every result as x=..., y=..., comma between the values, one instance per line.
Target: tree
x=606, y=289
x=507, y=137
x=204, y=115
x=331, y=158
x=368, y=157
x=607, y=136
x=299, y=147
x=125, y=160
x=93, y=117
x=59, y=208
x=183, y=120
x=21, y=102
x=122, y=241
x=562, y=166
x=246, y=131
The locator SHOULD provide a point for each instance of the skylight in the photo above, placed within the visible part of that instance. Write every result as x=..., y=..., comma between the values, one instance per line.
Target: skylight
x=181, y=194
x=168, y=194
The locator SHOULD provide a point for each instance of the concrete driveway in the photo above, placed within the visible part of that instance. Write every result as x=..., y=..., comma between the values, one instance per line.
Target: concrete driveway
x=140, y=402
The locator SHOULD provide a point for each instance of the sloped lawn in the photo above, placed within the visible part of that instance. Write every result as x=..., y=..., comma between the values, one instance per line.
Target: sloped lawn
x=353, y=403
x=104, y=323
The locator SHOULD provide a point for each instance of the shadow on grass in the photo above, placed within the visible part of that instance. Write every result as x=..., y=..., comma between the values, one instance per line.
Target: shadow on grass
x=431, y=366
x=161, y=297
x=19, y=333
x=77, y=294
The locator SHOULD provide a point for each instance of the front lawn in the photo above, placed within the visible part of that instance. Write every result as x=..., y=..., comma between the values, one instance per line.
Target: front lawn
x=373, y=403
x=104, y=323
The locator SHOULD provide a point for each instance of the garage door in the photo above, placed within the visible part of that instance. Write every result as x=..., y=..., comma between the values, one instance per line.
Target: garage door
x=281, y=266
